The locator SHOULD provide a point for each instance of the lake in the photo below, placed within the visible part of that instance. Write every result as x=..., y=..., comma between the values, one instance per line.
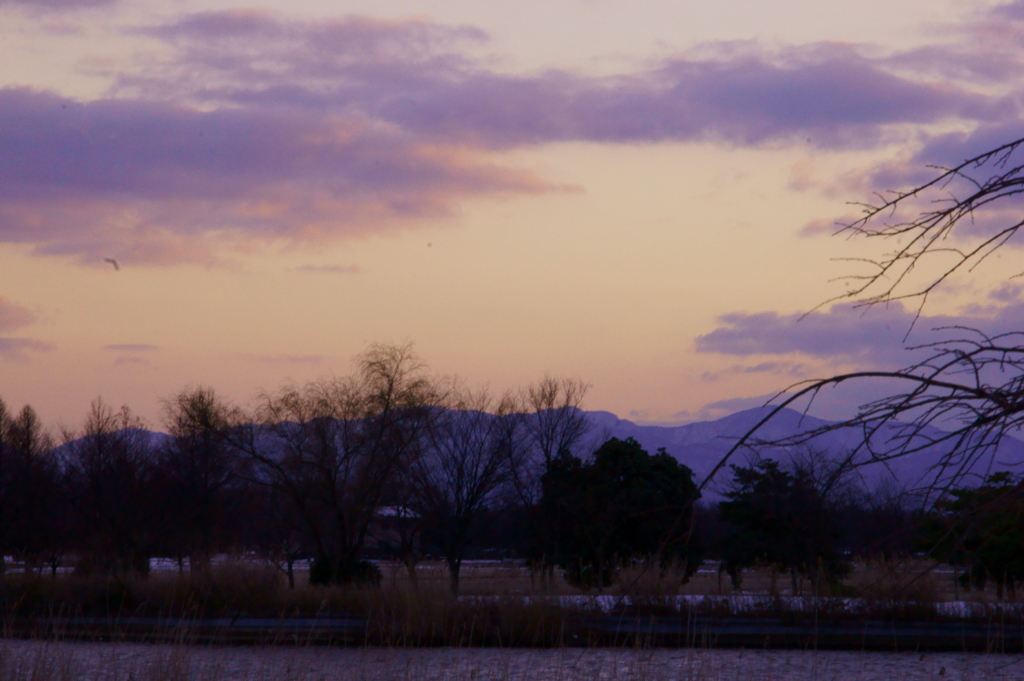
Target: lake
x=64, y=661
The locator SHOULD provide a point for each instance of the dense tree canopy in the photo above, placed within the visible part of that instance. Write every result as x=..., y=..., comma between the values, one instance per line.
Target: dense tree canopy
x=784, y=520
x=623, y=505
x=981, y=531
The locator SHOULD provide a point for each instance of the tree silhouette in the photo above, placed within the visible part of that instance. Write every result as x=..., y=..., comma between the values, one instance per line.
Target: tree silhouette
x=337, y=445
x=624, y=505
x=33, y=511
x=200, y=468
x=109, y=474
x=979, y=529
x=967, y=393
x=784, y=520
x=463, y=478
x=556, y=426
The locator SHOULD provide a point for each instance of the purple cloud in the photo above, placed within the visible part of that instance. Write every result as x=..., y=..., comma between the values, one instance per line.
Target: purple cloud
x=1007, y=293
x=984, y=50
x=1013, y=11
x=13, y=316
x=410, y=74
x=873, y=338
x=56, y=5
x=148, y=182
x=935, y=153
x=716, y=410
x=259, y=130
x=17, y=349
x=842, y=331
x=839, y=101
x=132, y=347
x=331, y=269
x=791, y=369
x=354, y=38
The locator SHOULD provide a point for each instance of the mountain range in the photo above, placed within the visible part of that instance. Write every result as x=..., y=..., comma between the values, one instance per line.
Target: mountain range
x=701, y=446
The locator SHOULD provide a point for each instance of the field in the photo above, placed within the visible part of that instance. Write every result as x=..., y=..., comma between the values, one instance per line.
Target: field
x=508, y=625
x=501, y=604
x=37, y=661
x=899, y=580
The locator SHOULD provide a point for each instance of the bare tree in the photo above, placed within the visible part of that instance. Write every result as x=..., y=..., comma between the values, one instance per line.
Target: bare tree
x=338, y=445
x=967, y=394
x=32, y=510
x=556, y=425
x=403, y=522
x=273, y=527
x=200, y=467
x=109, y=470
x=928, y=220
x=886, y=528
x=463, y=477
x=11, y=441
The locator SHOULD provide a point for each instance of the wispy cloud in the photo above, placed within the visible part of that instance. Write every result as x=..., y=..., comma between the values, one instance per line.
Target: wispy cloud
x=55, y=5
x=790, y=370
x=256, y=129
x=843, y=331
x=156, y=183
x=1007, y=293
x=412, y=74
x=14, y=316
x=331, y=269
x=876, y=338
x=18, y=349
x=131, y=347
x=718, y=409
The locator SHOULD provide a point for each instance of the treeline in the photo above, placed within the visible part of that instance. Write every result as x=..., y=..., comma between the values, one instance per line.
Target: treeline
x=391, y=462
x=388, y=461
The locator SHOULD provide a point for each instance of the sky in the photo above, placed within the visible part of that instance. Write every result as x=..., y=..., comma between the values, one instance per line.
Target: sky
x=640, y=194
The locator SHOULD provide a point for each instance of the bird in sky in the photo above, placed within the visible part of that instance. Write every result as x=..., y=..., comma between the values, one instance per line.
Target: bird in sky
x=114, y=263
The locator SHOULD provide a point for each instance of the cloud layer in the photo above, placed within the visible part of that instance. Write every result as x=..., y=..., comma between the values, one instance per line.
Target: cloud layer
x=13, y=316
x=149, y=182
x=330, y=269
x=872, y=339
x=18, y=349
x=132, y=347
x=413, y=75
x=259, y=129
x=56, y=5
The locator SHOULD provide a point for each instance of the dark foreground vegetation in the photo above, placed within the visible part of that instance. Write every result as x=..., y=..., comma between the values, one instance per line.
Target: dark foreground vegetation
x=436, y=480
x=317, y=486
x=344, y=513
x=245, y=603
x=392, y=464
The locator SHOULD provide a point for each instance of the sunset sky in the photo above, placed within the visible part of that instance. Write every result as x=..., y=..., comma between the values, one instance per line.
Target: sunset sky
x=641, y=194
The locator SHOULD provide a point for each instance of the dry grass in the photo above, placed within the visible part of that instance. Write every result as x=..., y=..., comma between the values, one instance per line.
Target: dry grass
x=227, y=588
x=502, y=606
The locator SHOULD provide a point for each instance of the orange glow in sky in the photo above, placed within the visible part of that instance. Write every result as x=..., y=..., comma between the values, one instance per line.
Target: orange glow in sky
x=632, y=193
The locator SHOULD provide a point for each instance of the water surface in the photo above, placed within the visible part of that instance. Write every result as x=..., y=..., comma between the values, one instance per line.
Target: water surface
x=142, y=662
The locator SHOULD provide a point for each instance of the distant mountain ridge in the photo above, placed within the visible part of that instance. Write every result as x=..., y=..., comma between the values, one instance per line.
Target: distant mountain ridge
x=701, y=445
